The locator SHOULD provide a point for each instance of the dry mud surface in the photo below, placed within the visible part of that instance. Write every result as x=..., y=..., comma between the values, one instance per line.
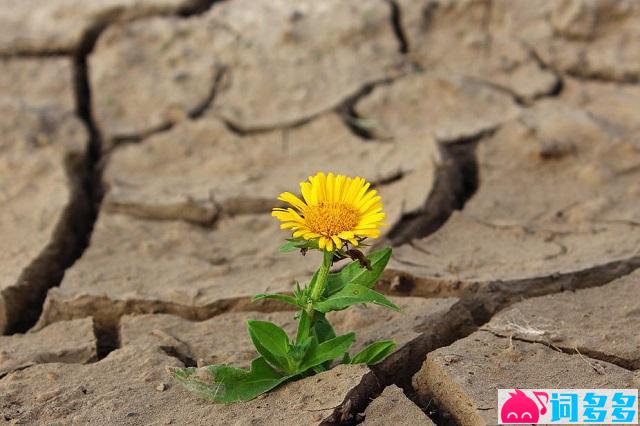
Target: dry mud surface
x=143, y=144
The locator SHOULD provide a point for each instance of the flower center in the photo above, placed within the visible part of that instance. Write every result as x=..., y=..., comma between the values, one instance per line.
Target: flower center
x=331, y=218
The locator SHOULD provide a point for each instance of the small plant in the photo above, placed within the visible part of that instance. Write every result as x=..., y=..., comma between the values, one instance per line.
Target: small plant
x=335, y=215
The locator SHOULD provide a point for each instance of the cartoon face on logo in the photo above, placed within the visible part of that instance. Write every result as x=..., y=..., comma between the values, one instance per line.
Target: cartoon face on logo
x=519, y=408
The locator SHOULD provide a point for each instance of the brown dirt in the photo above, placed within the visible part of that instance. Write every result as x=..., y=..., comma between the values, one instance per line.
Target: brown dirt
x=192, y=115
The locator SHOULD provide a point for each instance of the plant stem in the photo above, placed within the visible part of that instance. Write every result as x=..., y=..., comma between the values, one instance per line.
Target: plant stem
x=323, y=273
x=307, y=316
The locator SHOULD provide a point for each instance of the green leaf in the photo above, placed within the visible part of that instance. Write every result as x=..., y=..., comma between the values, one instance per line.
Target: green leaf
x=327, y=351
x=374, y=353
x=280, y=297
x=271, y=342
x=298, y=351
x=354, y=273
x=353, y=294
x=288, y=246
x=225, y=384
x=297, y=244
x=323, y=331
x=319, y=368
x=323, y=328
x=297, y=291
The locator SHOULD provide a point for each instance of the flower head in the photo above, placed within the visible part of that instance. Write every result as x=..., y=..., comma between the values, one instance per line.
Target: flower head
x=334, y=209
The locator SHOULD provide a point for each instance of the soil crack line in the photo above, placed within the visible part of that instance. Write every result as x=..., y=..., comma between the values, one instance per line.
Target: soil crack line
x=455, y=183
x=398, y=29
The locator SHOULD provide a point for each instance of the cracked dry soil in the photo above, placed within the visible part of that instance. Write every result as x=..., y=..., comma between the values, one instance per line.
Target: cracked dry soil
x=144, y=141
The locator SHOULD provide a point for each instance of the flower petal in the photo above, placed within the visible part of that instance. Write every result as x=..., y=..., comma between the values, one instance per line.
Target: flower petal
x=288, y=197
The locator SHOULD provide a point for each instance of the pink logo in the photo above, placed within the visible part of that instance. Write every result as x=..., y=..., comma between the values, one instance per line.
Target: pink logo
x=519, y=408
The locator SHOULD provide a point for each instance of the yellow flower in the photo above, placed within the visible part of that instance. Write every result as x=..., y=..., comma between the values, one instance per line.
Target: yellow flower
x=335, y=209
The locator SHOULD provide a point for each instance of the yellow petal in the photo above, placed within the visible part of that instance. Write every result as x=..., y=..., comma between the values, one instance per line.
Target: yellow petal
x=366, y=206
x=321, y=243
x=307, y=193
x=293, y=200
x=285, y=217
x=365, y=199
x=295, y=215
x=375, y=208
x=372, y=233
x=337, y=242
x=300, y=233
x=331, y=179
x=329, y=244
x=355, y=189
x=319, y=181
x=361, y=193
x=371, y=218
x=310, y=235
x=346, y=235
x=339, y=189
x=346, y=190
x=365, y=227
x=289, y=225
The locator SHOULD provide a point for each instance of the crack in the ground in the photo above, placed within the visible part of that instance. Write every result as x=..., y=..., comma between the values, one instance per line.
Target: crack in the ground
x=455, y=183
x=474, y=305
x=346, y=110
x=93, y=33
x=24, y=367
x=107, y=312
x=480, y=315
x=356, y=401
x=107, y=337
x=583, y=353
x=524, y=101
x=71, y=235
x=112, y=15
x=73, y=232
x=67, y=243
x=485, y=299
x=398, y=29
x=184, y=357
x=196, y=7
x=400, y=367
x=581, y=73
x=596, y=76
x=559, y=86
x=521, y=100
x=198, y=111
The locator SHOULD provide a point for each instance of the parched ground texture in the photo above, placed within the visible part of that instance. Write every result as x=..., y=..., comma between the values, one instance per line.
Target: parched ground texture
x=143, y=143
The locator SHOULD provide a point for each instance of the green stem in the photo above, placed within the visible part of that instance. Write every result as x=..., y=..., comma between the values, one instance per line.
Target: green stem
x=307, y=316
x=323, y=273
